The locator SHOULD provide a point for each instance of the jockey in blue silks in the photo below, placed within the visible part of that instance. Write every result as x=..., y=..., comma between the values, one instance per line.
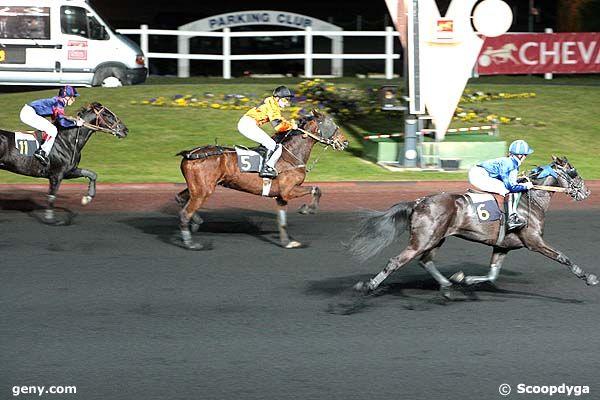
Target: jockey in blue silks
x=499, y=175
x=34, y=114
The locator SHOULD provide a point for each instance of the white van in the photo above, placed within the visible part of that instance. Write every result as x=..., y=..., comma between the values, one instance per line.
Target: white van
x=54, y=42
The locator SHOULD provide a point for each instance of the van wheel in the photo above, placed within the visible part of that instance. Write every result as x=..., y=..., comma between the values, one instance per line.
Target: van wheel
x=109, y=77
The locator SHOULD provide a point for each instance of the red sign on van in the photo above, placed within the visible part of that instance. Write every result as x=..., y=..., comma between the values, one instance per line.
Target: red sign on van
x=77, y=50
x=538, y=53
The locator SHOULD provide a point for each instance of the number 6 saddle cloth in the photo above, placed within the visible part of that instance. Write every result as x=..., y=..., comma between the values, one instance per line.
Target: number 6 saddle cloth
x=485, y=205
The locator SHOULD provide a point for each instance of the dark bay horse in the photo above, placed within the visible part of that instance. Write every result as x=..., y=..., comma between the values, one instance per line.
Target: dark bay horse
x=65, y=154
x=431, y=219
x=206, y=167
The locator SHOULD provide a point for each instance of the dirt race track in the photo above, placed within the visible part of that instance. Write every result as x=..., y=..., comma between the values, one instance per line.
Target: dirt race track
x=109, y=305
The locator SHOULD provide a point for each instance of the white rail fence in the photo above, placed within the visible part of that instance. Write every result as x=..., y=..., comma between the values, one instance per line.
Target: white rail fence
x=308, y=56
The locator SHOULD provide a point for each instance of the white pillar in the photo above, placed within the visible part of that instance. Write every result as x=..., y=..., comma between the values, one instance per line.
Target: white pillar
x=389, y=52
x=337, y=48
x=144, y=43
x=226, y=54
x=183, y=65
x=308, y=51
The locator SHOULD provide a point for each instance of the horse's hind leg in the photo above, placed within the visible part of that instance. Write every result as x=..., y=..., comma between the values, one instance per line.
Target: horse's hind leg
x=198, y=193
x=182, y=197
x=419, y=243
x=49, y=215
x=284, y=238
x=426, y=261
x=495, y=264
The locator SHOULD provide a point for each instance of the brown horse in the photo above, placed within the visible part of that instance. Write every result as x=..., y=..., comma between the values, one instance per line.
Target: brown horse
x=431, y=219
x=206, y=167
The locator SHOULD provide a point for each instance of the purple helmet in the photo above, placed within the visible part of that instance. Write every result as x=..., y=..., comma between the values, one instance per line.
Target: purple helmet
x=67, y=91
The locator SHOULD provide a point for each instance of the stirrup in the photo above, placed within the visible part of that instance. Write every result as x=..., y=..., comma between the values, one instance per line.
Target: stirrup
x=40, y=155
x=514, y=221
x=267, y=172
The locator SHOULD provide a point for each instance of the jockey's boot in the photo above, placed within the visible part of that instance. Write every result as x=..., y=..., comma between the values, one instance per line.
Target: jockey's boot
x=41, y=156
x=267, y=171
x=513, y=220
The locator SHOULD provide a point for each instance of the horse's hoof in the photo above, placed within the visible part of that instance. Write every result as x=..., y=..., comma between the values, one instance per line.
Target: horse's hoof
x=458, y=277
x=362, y=287
x=193, y=245
x=303, y=210
x=591, y=280
x=293, y=245
x=85, y=200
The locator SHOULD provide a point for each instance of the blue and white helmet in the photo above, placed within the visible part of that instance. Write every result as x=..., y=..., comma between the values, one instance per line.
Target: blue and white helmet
x=67, y=91
x=520, y=147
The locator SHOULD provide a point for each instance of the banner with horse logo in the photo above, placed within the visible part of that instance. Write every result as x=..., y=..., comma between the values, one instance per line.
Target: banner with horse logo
x=539, y=53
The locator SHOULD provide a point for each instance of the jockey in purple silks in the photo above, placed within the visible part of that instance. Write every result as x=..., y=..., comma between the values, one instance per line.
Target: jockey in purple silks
x=34, y=114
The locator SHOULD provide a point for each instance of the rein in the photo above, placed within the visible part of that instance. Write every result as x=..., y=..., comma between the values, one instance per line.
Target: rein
x=320, y=139
x=113, y=130
x=550, y=188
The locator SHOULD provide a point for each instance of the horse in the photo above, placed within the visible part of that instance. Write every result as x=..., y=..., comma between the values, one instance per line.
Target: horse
x=208, y=166
x=65, y=154
x=431, y=219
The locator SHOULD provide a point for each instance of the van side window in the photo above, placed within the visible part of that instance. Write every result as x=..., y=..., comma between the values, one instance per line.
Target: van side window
x=25, y=22
x=77, y=21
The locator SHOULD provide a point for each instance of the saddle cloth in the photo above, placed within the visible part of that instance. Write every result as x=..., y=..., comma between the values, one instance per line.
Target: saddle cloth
x=485, y=206
x=249, y=160
x=27, y=142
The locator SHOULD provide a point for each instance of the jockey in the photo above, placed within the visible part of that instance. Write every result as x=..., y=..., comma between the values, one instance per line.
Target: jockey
x=268, y=111
x=34, y=113
x=499, y=175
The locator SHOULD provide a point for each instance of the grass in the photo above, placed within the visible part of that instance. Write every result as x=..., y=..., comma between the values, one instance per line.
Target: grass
x=569, y=107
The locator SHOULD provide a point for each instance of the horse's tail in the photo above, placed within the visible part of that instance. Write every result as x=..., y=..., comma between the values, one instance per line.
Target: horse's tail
x=379, y=229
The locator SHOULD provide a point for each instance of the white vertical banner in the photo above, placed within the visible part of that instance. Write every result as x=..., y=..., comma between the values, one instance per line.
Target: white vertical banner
x=441, y=51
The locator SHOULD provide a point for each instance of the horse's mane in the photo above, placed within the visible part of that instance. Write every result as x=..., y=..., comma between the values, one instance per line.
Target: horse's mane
x=91, y=106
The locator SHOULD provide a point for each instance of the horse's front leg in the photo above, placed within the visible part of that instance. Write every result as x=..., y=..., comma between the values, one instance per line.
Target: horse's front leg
x=284, y=238
x=495, y=264
x=85, y=173
x=49, y=215
x=540, y=246
x=315, y=192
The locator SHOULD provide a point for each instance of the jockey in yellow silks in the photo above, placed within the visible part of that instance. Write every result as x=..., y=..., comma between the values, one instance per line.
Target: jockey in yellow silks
x=268, y=111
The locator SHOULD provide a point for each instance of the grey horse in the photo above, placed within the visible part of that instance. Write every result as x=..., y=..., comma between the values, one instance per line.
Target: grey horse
x=431, y=219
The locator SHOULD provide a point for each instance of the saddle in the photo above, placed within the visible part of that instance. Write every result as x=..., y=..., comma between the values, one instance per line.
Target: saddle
x=488, y=206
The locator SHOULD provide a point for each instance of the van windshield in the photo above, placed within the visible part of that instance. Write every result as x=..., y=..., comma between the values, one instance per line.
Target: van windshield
x=78, y=21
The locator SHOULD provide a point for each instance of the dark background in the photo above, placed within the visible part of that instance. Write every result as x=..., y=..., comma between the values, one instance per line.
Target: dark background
x=560, y=15
x=170, y=14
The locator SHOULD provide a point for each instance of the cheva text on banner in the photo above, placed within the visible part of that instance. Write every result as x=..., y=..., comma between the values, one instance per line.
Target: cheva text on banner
x=539, y=53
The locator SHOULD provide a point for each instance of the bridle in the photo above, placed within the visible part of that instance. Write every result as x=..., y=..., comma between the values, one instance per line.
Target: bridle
x=574, y=182
x=100, y=123
x=332, y=140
